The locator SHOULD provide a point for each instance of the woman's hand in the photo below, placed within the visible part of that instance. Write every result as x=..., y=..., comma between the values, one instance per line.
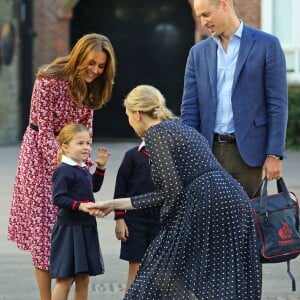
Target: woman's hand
x=103, y=208
x=84, y=206
x=97, y=209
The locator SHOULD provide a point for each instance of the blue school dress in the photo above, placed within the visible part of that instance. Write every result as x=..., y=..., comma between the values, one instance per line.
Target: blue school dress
x=74, y=242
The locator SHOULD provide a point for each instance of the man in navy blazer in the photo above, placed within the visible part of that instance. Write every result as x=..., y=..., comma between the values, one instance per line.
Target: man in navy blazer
x=235, y=94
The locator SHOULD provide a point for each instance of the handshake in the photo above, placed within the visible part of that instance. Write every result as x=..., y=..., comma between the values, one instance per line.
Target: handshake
x=103, y=208
x=99, y=209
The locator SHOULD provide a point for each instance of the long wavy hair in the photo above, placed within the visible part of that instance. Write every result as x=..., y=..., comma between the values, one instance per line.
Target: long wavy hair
x=73, y=67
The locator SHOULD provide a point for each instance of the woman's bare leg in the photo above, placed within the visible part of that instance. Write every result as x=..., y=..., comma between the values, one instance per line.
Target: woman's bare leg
x=132, y=270
x=44, y=283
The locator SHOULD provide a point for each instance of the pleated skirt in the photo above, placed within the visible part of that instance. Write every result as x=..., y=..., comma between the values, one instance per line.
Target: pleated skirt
x=74, y=250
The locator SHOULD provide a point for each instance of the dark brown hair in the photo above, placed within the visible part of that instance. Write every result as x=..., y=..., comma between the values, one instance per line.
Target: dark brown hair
x=72, y=68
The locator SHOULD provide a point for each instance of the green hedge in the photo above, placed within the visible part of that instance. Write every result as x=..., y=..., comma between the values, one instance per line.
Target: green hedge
x=293, y=130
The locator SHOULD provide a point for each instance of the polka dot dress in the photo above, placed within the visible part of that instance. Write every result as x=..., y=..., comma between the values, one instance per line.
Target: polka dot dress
x=207, y=246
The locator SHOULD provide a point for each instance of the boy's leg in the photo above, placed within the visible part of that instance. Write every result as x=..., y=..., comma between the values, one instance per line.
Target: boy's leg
x=132, y=270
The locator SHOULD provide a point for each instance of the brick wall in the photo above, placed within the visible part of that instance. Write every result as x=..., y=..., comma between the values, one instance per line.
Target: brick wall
x=51, y=24
x=249, y=12
x=9, y=108
x=52, y=19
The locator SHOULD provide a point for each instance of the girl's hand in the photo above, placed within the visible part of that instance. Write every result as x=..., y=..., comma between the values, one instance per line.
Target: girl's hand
x=96, y=210
x=84, y=206
x=102, y=157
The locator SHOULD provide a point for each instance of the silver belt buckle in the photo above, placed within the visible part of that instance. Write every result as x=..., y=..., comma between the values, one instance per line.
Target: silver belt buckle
x=219, y=139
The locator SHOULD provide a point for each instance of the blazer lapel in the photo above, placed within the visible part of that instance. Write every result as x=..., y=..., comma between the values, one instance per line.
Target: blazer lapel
x=247, y=42
x=211, y=58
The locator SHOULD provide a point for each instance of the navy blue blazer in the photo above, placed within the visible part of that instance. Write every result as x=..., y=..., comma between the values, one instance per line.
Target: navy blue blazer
x=259, y=94
x=72, y=185
x=134, y=178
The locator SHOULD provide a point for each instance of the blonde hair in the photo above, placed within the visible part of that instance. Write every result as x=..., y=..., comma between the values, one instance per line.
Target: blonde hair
x=73, y=66
x=66, y=134
x=148, y=100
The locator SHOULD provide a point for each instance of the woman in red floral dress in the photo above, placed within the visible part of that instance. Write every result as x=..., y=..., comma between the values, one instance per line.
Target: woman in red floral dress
x=66, y=91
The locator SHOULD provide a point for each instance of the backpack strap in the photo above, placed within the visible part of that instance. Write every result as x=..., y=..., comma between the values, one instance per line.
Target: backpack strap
x=281, y=188
x=291, y=276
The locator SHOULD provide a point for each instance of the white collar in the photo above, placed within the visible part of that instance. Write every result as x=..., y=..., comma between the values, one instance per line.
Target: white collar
x=142, y=144
x=67, y=160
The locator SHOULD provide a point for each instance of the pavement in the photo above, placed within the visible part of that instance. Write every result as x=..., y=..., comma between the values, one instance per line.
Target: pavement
x=17, y=279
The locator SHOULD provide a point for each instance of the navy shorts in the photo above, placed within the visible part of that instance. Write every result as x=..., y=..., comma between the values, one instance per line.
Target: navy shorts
x=142, y=231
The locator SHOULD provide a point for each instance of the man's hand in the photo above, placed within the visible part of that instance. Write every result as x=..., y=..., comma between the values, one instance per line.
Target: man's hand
x=272, y=168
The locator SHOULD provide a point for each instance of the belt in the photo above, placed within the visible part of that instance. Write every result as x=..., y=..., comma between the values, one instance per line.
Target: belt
x=36, y=128
x=224, y=138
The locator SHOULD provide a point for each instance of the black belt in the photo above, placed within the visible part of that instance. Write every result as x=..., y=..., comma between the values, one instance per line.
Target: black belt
x=224, y=138
x=36, y=128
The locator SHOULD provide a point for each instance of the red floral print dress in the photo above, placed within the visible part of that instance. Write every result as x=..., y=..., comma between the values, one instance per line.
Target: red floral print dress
x=33, y=214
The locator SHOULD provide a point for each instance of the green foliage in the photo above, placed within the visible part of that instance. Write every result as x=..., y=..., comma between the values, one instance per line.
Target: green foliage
x=293, y=130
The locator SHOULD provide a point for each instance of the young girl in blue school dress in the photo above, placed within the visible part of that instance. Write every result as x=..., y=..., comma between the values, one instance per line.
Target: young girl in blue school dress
x=75, y=250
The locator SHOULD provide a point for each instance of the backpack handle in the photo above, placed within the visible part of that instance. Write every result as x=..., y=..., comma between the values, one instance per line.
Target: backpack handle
x=281, y=188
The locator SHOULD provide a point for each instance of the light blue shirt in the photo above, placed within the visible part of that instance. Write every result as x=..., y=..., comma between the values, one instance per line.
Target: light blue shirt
x=226, y=67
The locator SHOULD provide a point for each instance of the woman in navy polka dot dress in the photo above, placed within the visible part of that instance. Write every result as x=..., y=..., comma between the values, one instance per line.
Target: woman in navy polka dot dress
x=206, y=248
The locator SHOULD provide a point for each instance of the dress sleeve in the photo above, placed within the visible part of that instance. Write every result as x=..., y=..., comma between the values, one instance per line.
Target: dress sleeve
x=164, y=170
x=43, y=97
x=87, y=120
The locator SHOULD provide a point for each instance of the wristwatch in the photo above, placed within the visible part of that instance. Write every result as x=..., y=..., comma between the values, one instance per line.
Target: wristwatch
x=274, y=156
